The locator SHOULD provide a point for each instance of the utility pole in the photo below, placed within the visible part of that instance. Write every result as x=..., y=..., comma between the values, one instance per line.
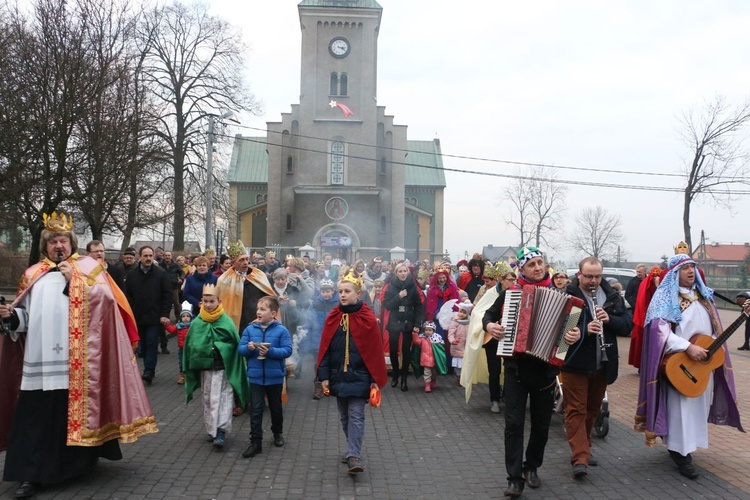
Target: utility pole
x=210, y=178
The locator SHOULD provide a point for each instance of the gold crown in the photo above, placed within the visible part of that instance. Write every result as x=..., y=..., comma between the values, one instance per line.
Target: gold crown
x=210, y=252
x=61, y=224
x=681, y=247
x=352, y=279
x=236, y=249
x=210, y=289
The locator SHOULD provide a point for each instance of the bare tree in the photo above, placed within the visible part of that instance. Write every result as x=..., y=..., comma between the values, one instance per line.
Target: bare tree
x=538, y=203
x=717, y=156
x=597, y=233
x=547, y=204
x=194, y=66
x=520, y=197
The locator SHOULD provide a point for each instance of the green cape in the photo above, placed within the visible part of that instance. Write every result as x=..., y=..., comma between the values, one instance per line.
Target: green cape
x=197, y=356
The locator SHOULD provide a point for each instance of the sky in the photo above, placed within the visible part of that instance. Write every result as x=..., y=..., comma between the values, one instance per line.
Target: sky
x=596, y=85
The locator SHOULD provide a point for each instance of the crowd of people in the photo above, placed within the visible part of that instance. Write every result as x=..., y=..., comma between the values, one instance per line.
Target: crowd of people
x=246, y=322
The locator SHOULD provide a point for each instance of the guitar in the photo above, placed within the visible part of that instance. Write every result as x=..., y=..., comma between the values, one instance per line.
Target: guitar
x=690, y=377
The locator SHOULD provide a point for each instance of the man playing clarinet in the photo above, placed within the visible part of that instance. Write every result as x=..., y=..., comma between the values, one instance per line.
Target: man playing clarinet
x=591, y=364
x=526, y=378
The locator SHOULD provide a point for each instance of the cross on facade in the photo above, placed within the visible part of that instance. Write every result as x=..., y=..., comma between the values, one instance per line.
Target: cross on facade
x=57, y=348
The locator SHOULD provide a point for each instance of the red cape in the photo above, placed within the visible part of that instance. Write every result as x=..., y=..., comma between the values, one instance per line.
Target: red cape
x=363, y=328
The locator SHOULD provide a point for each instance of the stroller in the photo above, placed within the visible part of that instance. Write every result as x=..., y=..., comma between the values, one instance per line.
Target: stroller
x=601, y=426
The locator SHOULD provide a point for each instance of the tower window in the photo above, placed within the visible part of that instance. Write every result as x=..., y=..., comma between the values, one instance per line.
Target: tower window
x=288, y=222
x=383, y=165
x=339, y=84
x=344, y=84
x=289, y=165
x=334, y=84
x=337, y=163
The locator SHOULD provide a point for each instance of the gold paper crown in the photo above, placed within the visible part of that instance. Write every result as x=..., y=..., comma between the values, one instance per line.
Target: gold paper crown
x=210, y=252
x=352, y=279
x=444, y=268
x=681, y=247
x=61, y=224
x=236, y=249
x=210, y=289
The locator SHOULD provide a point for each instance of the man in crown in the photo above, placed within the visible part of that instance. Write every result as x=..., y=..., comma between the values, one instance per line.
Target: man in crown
x=241, y=286
x=681, y=307
x=65, y=412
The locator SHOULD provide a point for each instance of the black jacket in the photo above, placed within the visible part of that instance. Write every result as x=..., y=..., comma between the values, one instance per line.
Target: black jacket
x=631, y=292
x=175, y=272
x=582, y=355
x=149, y=294
x=407, y=312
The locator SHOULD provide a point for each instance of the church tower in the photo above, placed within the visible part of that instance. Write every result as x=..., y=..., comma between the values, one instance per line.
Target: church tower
x=336, y=164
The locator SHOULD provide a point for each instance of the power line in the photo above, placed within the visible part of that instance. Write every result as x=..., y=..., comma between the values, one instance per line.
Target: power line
x=488, y=160
x=487, y=174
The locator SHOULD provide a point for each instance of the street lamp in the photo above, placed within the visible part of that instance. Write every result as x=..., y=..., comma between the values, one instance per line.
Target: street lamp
x=210, y=176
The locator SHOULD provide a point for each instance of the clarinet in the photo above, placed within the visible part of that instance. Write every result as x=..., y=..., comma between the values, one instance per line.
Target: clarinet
x=600, y=335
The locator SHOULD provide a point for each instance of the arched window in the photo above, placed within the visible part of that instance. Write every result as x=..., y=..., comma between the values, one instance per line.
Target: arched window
x=288, y=222
x=383, y=165
x=289, y=165
x=334, y=84
x=259, y=198
x=337, y=162
x=344, y=84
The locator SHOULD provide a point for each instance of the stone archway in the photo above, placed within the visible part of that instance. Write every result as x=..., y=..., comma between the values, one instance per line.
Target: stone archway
x=338, y=239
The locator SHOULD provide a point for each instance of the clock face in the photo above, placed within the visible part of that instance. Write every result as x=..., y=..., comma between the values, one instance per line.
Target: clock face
x=339, y=47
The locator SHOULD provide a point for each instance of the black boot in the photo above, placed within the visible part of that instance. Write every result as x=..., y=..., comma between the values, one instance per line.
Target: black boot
x=404, y=387
x=394, y=381
x=684, y=464
x=744, y=347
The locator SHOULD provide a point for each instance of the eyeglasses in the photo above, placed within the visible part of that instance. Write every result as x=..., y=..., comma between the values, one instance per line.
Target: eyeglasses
x=592, y=276
x=508, y=279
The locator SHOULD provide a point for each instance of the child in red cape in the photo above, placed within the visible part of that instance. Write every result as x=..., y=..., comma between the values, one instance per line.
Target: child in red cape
x=351, y=363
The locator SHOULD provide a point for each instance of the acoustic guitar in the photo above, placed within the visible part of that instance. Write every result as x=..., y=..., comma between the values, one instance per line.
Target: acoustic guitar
x=690, y=377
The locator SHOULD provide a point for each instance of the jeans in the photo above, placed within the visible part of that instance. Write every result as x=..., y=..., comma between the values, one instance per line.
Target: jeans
x=179, y=358
x=525, y=380
x=494, y=365
x=583, y=395
x=149, y=346
x=352, y=413
x=258, y=395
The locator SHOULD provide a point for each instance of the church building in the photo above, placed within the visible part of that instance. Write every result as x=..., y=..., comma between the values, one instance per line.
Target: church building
x=336, y=173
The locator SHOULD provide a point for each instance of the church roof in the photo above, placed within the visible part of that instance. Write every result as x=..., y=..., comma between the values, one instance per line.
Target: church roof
x=249, y=163
x=425, y=164
x=362, y=4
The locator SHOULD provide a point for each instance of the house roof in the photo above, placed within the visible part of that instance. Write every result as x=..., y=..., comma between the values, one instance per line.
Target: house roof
x=494, y=253
x=718, y=251
x=249, y=163
x=362, y=4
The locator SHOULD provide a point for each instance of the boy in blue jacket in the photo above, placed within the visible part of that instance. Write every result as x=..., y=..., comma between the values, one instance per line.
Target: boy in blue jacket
x=266, y=344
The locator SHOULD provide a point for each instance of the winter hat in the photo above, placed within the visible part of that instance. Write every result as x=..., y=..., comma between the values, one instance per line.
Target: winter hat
x=466, y=307
x=526, y=254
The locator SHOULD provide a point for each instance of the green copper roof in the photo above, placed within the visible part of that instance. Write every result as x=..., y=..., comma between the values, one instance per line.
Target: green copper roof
x=362, y=4
x=249, y=161
x=424, y=154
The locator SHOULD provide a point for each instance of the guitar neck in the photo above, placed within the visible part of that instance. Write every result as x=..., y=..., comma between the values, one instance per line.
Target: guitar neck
x=716, y=345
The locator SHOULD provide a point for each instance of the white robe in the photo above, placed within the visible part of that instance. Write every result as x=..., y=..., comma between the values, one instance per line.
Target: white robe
x=687, y=417
x=43, y=315
x=218, y=401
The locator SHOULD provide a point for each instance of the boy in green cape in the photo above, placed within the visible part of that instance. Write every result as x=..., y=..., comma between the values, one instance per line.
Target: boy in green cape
x=210, y=360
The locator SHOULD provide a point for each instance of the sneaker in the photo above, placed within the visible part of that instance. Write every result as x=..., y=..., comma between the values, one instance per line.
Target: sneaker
x=355, y=465
x=181, y=378
x=495, y=407
x=593, y=462
x=580, y=470
x=220, y=439
x=209, y=438
x=164, y=350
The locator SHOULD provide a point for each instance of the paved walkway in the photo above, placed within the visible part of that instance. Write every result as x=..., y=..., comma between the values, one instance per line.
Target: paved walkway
x=417, y=445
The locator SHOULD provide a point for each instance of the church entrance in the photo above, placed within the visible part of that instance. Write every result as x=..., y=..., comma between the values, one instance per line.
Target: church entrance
x=340, y=243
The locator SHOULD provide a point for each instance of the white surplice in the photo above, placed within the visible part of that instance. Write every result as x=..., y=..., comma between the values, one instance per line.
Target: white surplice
x=218, y=401
x=43, y=314
x=687, y=417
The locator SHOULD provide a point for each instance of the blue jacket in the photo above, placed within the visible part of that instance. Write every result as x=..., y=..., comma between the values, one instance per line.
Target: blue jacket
x=193, y=291
x=272, y=370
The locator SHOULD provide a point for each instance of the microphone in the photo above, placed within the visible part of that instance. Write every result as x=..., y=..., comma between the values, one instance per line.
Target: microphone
x=59, y=257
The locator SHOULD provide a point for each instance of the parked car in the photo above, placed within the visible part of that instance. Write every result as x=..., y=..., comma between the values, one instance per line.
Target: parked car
x=622, y=275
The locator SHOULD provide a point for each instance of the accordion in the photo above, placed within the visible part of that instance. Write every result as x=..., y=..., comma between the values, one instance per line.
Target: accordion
x=535, y=321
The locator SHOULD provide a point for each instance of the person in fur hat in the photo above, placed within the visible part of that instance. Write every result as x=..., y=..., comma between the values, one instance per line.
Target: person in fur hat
x=471, y=281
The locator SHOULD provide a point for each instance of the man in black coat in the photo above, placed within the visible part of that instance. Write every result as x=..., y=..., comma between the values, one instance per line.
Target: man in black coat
x=631, y=291
x=592, y=362
x=150, y=295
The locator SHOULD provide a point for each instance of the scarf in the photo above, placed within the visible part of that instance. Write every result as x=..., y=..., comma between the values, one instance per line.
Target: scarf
x=545, y=282
x=210, y=317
